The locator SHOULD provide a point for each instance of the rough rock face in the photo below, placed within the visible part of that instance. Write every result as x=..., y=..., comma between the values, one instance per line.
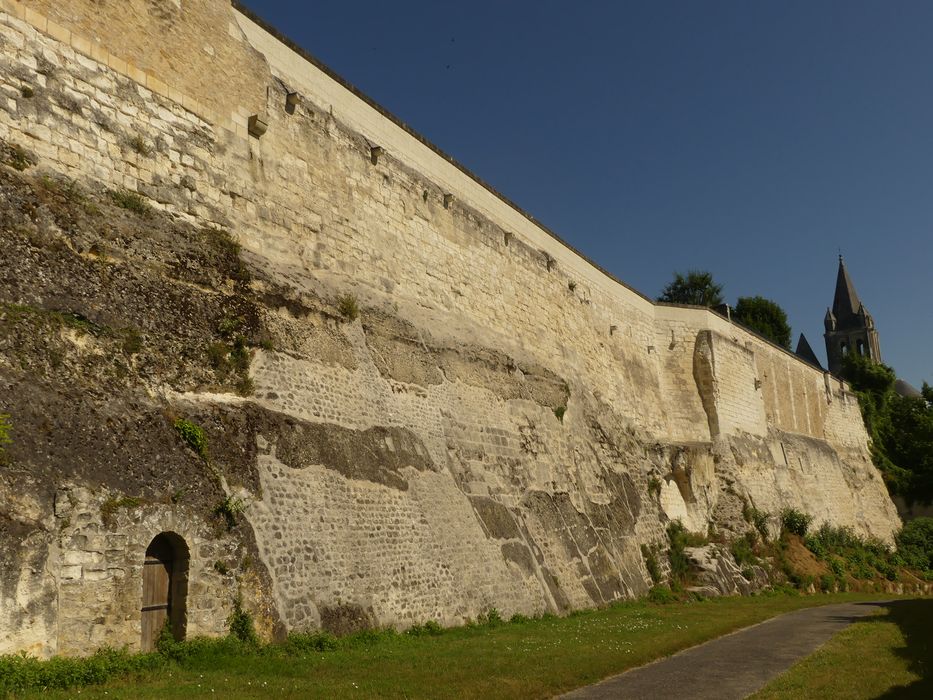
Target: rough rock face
x=360, y=387
x=716, y=573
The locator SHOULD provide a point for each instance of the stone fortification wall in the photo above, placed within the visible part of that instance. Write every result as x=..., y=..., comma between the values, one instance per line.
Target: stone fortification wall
x=504, y=425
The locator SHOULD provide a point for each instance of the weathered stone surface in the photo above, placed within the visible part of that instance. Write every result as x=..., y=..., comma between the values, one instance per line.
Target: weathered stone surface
x=503, y=426
x=716, y=573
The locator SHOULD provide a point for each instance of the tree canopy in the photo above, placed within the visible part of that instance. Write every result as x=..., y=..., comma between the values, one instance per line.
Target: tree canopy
x=763, y=316
x=695, y=287
x=901, y=427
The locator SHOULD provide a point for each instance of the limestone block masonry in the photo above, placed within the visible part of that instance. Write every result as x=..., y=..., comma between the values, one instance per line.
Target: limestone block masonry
x=505, y=424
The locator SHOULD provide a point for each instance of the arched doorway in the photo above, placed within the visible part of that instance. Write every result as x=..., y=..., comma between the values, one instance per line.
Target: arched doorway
x=165, y=588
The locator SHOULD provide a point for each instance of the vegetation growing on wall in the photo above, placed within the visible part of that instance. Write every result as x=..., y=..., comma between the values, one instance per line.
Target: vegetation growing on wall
x=231, y=357
x=900, y=427
x=241, y=625
x=348, y=307
x=16, y=156
x=111, y=506
x=193, y=435
x=229, y=509
x=5, y=429
x=651, y=563
x=680, y=538
x=131, y=201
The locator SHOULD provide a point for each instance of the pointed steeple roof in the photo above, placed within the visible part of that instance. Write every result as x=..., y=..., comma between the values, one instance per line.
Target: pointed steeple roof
x=846, y=303
x=805, y=352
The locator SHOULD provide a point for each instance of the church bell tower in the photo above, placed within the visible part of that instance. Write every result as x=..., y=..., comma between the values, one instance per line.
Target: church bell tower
x=849, y=326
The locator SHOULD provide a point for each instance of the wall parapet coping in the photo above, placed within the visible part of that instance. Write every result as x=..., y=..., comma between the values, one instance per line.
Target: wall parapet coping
x=705, y=318
x=365, y=116
x=436, y=165
x=566, y=254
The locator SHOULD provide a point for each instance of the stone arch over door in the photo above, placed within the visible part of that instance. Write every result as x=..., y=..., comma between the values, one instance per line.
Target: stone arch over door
x=165, y=588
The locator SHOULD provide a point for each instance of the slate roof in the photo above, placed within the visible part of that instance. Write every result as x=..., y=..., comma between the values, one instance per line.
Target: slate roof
x=846, y=304
x=906, y=389
x=805, y=352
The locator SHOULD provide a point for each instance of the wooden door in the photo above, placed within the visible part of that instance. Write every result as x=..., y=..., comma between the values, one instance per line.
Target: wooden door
x=157, y=587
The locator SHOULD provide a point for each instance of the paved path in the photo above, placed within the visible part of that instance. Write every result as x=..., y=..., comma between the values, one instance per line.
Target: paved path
x=733, y=666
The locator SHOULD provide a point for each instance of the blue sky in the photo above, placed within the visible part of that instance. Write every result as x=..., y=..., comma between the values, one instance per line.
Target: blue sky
x=751, y=139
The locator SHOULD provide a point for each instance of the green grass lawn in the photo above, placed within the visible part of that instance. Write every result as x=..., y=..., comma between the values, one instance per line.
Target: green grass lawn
x=887, y=655
x=532, y=659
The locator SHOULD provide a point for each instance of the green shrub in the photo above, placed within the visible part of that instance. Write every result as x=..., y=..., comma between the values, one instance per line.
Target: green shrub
x=241, y=625
x=233, y=359
x=217, y=354
x=245, y=387
x=827, y=583
x=227, y=326
x=138, y=145
x=654, y=485
x=887, y=569
x=651, y=563
x=19, y=673
x=828, y=539
x=662, y=595
x=782, y=589
x=71, y=192
x=239, y=355
x=429, y=628
x=132, y=341
x=559, y=413
x=223, y=242
x=27, y=91
x=109, y=508
x=368, y=638
x=519, y=619
x=680, y=539
x=6, y=427
x=165, y=644
x=914, y=542
x=490, y=618
x=844, y=550
x=348, y=307
x=743, y=549
x=229, y=508
x=757, y=518
x=15, y=156
x=76, y=321
x=201, y=650
x=130, y=201
x=299, y=644
x=795, y=522
x=193, y=435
